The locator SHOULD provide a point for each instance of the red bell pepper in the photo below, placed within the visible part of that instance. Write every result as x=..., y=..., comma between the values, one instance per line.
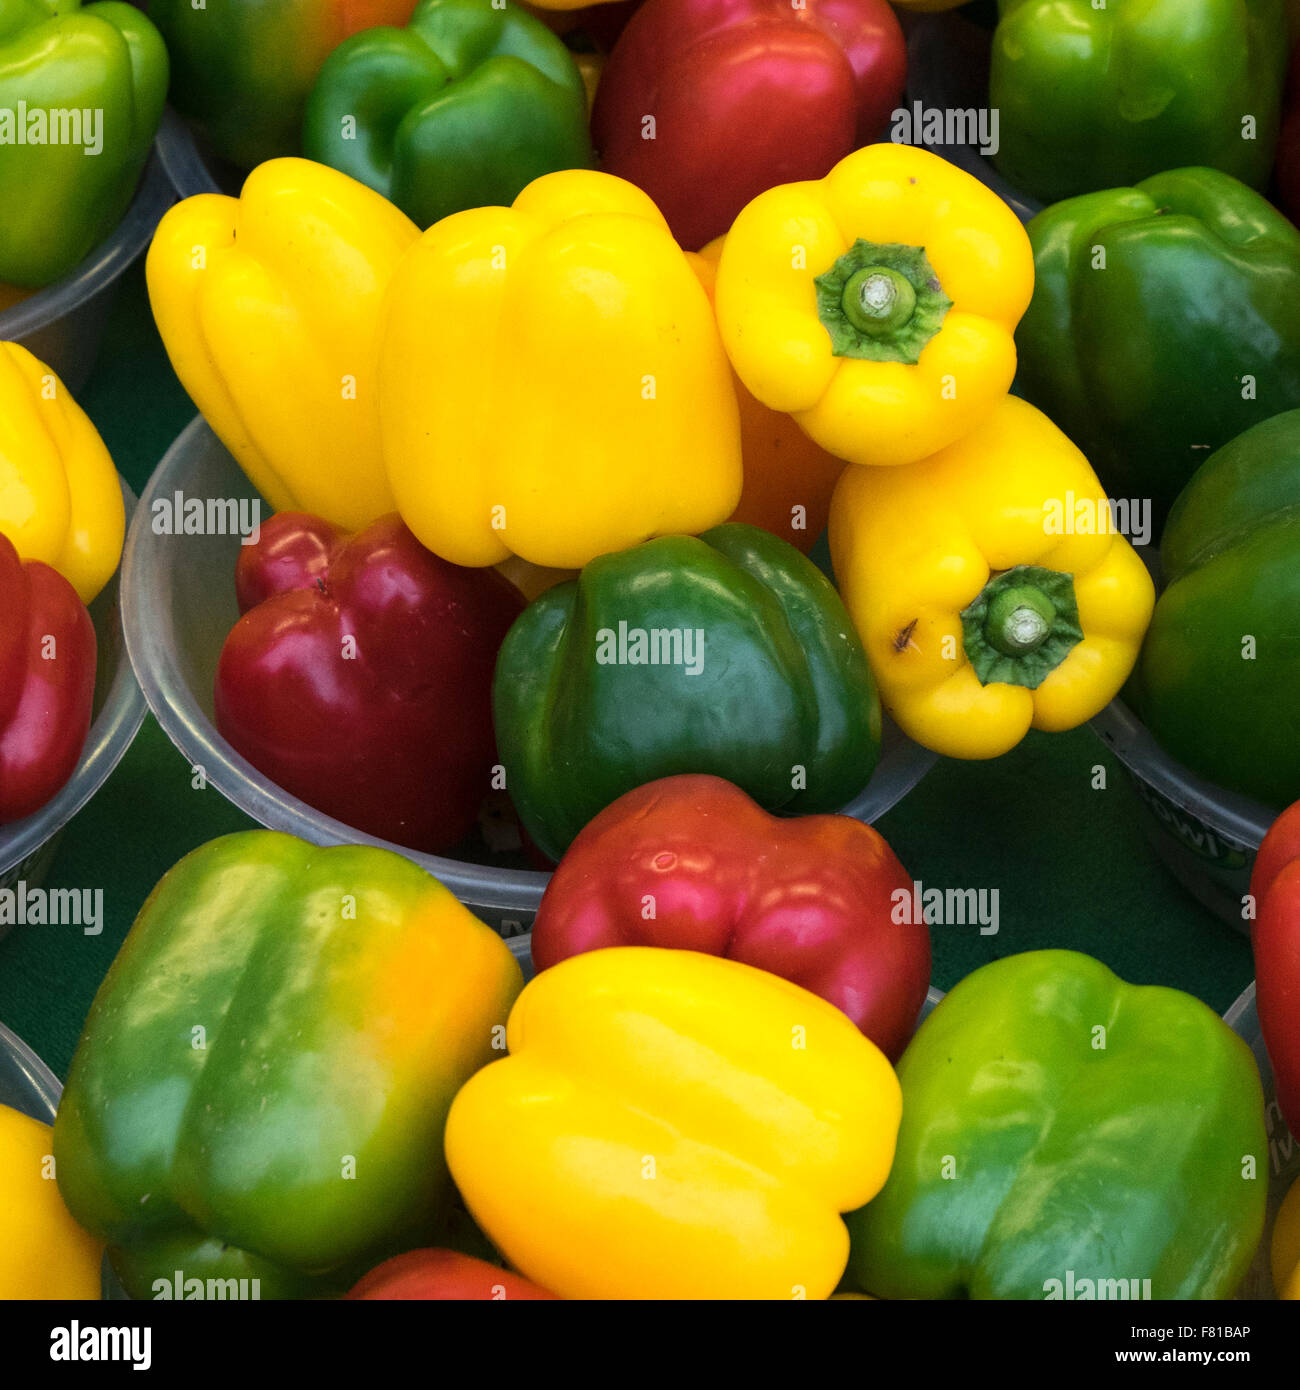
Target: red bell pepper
x=692, y=862
x=1275, y=939
x=47, y=682
x=444, y=1274
x=359, y=678
x=707, y=103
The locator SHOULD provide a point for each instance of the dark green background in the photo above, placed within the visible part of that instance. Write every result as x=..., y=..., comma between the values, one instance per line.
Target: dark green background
x=1069, y=862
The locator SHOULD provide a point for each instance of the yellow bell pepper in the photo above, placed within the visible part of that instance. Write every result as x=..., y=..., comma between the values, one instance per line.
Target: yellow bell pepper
x=43, y=1252
x=1284, y=1251
x=674, y=1125
x=269, y=305
x=878, y=305
x=989, y=586
x=552, y=384
x=60, y=499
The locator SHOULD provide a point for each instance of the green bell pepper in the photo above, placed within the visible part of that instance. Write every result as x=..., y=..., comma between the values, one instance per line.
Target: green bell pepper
x=263, y=1079
x=81, y=95
x=1162, y=325
x=1099, y=96
x=463, y=108
x=1218, y=672
x=1068, y=1135
x=242, y=69
x=728, y=653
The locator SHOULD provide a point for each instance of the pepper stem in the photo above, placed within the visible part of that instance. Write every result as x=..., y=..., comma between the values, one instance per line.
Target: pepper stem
x=878, y=300
x=1019, y=620
x=1021, y=626
x=881, y=302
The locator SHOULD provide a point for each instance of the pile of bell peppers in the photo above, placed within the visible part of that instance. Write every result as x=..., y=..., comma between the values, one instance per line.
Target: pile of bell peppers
x=555, y=346
x=401, y=1121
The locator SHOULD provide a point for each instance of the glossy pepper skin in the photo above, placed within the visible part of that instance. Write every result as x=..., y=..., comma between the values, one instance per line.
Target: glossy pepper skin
x=1275, y=940
x=359, y=677
x=1058, y=1121
x=983, y=606
x=44, y=1254
x=674, y=1125
x=788, y=479
x=692, y=863
x=742, y=95
x=65, y=187
x=60, y=499
x=269, y=307
x=438, y=1275
x=463, y=108
x=765, y=684
x=1183, y=340
x=242, y=69
x=47, y=683
x=1220, y=660
x=585, y=401
x=878, y=305
x=262, y=1082
x=1103, y=96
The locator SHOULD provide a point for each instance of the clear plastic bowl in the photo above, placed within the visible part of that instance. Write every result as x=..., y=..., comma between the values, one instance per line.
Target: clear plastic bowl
x=27, y=846
x=64, y=324
x=179, y=154
x=178, y=599
x=948, y=70
x=26, y=1083
x=1283, y=1150
x=1207, y=837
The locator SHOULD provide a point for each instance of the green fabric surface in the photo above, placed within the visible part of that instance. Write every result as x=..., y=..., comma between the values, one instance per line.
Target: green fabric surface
x=1069, y=862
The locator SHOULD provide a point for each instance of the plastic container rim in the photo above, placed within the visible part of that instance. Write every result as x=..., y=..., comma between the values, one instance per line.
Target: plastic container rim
x=167, y=693
x=184, y=165
x=46, y=1087
x=105, y=264
x=1238, y=818
x=110, y=735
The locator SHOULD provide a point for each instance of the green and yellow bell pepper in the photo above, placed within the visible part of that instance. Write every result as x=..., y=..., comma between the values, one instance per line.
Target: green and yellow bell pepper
x=989, y=586
x=269, y=307
x=263, y=1079
x=81, y=94
x=674, y=1125
x=242, y=69
x=463, y=108
x=1068, y=1135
